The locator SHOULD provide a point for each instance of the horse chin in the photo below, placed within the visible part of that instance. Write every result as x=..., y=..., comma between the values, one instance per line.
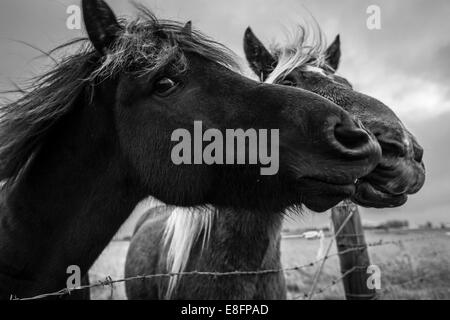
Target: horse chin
x=320, y=196
x=389, y=185
x=321, y=205
x=367, y=195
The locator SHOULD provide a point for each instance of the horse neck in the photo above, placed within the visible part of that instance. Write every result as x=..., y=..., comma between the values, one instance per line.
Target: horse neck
x=221, y=240
x=64, y=207
x=204, y=239
x=245, y=239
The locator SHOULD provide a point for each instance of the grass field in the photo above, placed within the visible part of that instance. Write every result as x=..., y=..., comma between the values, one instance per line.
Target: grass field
x=416, y=269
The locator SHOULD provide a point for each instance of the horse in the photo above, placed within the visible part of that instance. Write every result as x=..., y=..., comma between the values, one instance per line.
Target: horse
x=401, y=171
x=93, y=136
x=175, y=240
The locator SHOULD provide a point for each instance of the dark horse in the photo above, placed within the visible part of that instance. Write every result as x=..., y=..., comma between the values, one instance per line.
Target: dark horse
x=177, y=240
x=92, y=137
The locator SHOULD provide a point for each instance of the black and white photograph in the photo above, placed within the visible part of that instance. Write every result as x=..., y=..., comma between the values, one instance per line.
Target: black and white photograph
x=241, y=151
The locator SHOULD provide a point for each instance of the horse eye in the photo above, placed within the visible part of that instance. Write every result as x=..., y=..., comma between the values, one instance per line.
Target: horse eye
x=164, y=86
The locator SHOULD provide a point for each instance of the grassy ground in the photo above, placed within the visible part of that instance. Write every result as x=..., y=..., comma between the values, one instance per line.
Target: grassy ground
x=416, y=269
x=400, y=264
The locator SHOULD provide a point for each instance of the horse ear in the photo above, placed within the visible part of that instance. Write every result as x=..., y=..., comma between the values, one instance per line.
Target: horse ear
x=187, y=29
x=101, y=24
x=260, y=59
x=333, y=53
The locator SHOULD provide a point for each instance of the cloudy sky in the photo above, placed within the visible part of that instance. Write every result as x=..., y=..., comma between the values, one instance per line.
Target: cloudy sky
x=406, y=64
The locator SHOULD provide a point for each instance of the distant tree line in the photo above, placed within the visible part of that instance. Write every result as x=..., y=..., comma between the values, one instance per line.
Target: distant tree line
x=393, y=224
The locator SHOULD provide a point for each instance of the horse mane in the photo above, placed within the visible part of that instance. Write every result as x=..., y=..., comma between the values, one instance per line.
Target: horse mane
x=145, y=46
x=182, y=231
x=305, y=48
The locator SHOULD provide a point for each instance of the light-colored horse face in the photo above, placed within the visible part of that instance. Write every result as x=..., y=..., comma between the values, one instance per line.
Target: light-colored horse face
x=401, y=171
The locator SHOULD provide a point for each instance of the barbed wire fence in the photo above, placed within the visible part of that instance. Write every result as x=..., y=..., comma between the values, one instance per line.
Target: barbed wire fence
x=109, y=282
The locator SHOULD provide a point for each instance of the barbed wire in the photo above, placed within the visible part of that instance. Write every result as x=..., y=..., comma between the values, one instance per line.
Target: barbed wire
x=336, y=281
x=332, y=284
x=336, y=234
x=109, y=282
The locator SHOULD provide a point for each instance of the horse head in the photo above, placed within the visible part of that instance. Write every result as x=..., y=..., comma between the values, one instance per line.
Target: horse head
x=310, y=65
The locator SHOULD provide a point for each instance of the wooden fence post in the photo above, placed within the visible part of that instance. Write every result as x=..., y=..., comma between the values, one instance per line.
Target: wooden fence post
x=352, y=236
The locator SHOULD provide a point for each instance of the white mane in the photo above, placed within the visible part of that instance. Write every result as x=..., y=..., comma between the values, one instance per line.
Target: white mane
x=182, y=230
x=306, y=47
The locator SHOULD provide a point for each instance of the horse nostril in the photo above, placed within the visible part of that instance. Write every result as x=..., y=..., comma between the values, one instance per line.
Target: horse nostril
x=349, y=140
x=392, y=147
x=351, y=136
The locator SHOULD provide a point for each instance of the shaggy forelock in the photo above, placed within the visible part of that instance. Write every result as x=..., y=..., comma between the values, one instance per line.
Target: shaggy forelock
x=147, y=44
x=305, y=46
